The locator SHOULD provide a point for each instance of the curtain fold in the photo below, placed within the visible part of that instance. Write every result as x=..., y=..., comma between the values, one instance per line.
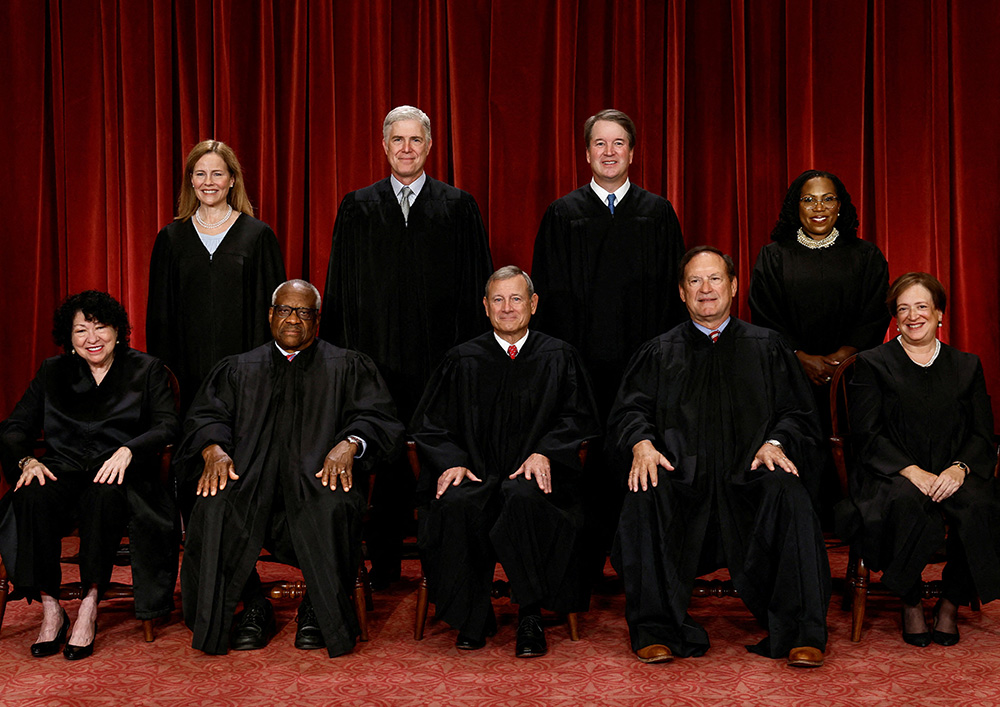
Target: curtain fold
x=104, y=98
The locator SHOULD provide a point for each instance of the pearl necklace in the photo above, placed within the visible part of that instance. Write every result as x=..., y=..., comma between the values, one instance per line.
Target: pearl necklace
x=814, y=244
x=197, y=215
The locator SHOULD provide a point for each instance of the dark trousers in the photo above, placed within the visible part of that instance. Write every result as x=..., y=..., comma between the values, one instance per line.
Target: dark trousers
x=45, y=514
x=535, y=536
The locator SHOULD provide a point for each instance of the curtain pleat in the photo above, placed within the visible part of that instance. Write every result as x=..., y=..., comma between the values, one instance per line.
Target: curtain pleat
x=104, y=98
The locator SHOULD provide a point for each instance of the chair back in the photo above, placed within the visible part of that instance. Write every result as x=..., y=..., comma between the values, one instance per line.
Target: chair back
x=841, y=420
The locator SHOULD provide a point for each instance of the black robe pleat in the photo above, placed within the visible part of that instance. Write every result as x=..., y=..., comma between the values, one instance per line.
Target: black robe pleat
x=404, y=293
x=708, y=408
x=84, y=424
x=606, y=284
x=203, y=307
x=488, y=413
x=278, y=420
x=903, y=414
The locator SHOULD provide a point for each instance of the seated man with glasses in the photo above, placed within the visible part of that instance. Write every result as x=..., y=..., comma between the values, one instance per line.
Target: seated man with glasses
x=270, y=444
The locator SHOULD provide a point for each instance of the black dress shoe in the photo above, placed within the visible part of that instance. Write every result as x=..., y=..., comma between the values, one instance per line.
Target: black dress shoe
x=254, y=627
x=940, y=637
x=466, y=643
x=71, y=652
x=308, y=636
x=920, y=640
x=43, y=649
x=530, y=638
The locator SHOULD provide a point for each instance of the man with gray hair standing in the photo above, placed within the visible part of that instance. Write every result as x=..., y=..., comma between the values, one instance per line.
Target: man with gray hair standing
x=408, y=258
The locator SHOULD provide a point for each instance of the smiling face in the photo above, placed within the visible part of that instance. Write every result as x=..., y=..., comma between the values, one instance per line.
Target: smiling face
x=94, y=342
x=406, y=148
x=510, y=308
x=609, y=154
x=707, y=289
x=292, y=332
x=819, y=207
x=916, y=315
x=211, y=180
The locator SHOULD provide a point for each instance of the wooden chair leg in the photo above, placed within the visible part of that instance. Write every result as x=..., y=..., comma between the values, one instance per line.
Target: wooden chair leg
x=975, y=605
x=421, y=615
x=574, y=627
x=359, y=602
x=147, y=630
x=4, y=588
x=862, y=575
x=366, y=583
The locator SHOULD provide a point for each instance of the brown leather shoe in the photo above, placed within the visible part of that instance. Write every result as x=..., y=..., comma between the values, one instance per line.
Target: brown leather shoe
x=656, y=653
x=805, y=657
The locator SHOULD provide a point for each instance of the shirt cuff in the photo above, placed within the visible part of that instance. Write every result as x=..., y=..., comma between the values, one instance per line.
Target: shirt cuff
x=362, y=445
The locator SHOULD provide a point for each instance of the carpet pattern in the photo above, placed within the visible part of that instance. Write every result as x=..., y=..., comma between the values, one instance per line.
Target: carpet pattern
x=393, y=669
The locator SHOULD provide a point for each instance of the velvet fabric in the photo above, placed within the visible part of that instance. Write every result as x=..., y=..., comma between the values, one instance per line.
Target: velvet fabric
x=732, y=100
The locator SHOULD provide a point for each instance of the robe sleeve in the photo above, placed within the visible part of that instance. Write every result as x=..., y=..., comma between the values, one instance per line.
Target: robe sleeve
x=437, y=426
x=269, y=272
x=209, y=420
x=19, y=431
x=369, y=413
x=873, y=317
x=633, y=416
x=767, y=295
x=162, y=414
x=796, y=423
x=161, y=337
x=979, y=450
x=469, y=319
x=869, y=428
x=334, y=326
x=576, y=422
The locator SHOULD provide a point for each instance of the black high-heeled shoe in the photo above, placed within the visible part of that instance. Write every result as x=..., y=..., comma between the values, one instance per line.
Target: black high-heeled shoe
x=920, y=640
x=940, y=637
x=43, y=649
x=71, y=652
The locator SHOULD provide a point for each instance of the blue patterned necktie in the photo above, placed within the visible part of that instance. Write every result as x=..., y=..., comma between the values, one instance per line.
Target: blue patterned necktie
x=611, y=203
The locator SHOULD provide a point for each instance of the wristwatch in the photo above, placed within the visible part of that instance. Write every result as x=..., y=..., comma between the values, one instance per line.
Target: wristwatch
x=776, y=443
x=963, y=466
x=24, y=462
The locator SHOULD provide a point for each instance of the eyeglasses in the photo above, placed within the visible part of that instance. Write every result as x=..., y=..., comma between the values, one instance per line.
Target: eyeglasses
x=304, y=313
x=827, y=200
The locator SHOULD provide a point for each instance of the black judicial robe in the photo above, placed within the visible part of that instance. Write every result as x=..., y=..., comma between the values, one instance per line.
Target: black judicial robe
x=824, y=298
x=708, y=408
x=84, y=425
x=607, y=283
x=203, y=307
x=488, y=413
x=903, y=414
x=278, y=420
x=406, y=293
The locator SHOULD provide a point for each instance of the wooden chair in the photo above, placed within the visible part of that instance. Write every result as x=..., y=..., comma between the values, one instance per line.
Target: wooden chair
x=857, y=582
x=116, y=590
x=501, y=588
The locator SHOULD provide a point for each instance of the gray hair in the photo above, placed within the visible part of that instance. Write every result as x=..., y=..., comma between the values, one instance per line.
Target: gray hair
x=298, y=283
x=406, y=113
x=506, y=273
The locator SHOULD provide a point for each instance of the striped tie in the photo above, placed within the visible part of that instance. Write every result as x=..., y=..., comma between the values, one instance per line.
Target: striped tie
x=715, y=336
x=512, y=352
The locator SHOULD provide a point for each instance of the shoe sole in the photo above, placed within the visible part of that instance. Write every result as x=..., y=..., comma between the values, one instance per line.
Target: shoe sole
x=657, y=659
x=806, y=664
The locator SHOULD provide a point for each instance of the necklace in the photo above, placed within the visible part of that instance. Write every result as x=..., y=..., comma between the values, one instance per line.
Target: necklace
x=197, y=215
x=812, y=243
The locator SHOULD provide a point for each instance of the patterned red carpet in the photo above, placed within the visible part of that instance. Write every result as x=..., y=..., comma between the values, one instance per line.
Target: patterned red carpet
x=393, y=669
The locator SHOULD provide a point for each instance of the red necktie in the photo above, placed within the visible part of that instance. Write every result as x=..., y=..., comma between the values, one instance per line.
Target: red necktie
x=714, y=335
x=512, y=352
x=290, y=356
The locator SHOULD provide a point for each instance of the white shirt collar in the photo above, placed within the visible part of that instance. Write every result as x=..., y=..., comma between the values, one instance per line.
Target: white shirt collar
x=506, y=344
x=415, y=187
x=286, y=354
x=708, y=332
x=602, y=193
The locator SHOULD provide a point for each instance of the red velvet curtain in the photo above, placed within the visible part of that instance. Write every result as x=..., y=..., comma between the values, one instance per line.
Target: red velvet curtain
x=733, y=98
